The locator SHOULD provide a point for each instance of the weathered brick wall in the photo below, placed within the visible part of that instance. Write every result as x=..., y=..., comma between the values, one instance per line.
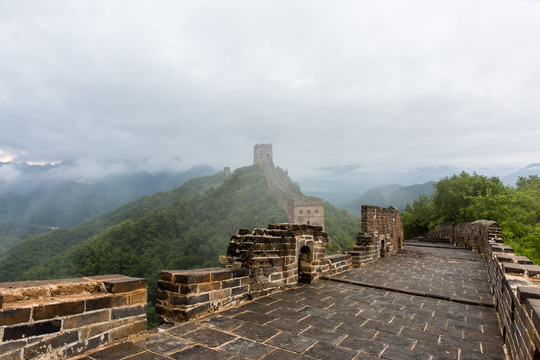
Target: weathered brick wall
x=381, y=234
x=258, y=262
x=62, y=318
x=472, y=235
x=444, y=232
x=515, y=283
x=185, y=294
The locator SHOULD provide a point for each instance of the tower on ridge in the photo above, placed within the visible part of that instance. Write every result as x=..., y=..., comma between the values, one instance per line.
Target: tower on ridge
x=261, y=153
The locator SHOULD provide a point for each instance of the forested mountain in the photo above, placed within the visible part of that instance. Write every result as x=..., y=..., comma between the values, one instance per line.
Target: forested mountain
x=37, y=251
x=390, y=195
x=13, y=233
x=65, y=204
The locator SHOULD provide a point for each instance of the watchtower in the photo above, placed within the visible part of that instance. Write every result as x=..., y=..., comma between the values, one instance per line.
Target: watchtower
x=262, y=152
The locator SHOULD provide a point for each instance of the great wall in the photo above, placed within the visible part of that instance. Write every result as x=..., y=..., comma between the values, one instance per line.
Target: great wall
x=457, y=292
x=300, y=209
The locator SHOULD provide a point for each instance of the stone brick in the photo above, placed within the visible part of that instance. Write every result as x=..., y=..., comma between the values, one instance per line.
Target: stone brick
x=165, y=285
x=511, y=268
x=97, y=329
x=49, y=345
x=14, y=316
x=13, y=355
x=127, y=330
x=78, y=321
x=125, y=285
x=524, y=293
x=34, y=329
x=61, y=309
x=240, y=272
x=218, y=295
x=189, y=300
x=220, y=275
x=230, y=283
x=138, y=297
x=165, y=275
x=216, y=285
x=239, y=290
x=11, y=345
x=120, y=313
x=84, y=346
x=191, y=277
x=109, y=301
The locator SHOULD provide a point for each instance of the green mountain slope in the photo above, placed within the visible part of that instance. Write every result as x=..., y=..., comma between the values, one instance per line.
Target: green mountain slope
x=13, y=233
x=40, y=250
x=66, y=204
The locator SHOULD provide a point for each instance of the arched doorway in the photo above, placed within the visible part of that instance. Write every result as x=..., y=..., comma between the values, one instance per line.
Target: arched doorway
x=305, y=257
x=383, y=248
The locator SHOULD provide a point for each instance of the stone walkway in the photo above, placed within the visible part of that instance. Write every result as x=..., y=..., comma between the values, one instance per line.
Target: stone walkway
x=426, y=303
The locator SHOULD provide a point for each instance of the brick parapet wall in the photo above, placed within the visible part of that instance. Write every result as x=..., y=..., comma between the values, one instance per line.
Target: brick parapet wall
x=381, y=234
x=515, y=283
x=185, y=294
x=62, y=318
x=258, y=262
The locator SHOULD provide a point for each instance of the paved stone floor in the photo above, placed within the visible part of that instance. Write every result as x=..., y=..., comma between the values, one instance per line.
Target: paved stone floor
x=426, y=303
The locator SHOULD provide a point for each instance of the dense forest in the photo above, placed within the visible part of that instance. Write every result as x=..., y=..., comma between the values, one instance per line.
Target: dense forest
x=465, y=197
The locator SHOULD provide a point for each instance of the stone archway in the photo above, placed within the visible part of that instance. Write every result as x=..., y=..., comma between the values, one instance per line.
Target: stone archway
x=383, y=248
x=305, y=257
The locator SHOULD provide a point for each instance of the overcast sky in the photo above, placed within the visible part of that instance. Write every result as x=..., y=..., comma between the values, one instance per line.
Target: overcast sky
x=171, y=84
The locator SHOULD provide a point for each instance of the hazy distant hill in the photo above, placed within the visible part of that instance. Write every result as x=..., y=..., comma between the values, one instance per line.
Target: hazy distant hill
x=510, y=179
x=69, y=203
x=342, y=184
x=36, y=251
x=13, y=233
x=390, y=195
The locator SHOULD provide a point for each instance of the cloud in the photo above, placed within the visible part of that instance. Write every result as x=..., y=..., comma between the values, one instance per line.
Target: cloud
x=383, y=84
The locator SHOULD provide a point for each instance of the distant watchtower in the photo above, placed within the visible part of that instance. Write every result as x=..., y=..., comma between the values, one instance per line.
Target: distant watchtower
x=261, y=153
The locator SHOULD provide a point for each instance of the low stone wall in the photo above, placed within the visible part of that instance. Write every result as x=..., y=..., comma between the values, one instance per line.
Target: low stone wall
x=515, y=283
x=186, y=294
x=471, y=235
x=258, y=262
x=338, y=264
x=62, y=318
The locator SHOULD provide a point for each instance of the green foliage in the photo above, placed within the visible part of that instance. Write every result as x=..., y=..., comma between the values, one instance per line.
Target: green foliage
x=342, y=227
x=14, y=233
x=38, y=251
x=465, y=197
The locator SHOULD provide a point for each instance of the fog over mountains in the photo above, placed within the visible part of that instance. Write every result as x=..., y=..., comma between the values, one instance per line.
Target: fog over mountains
x=342, y=184
x=123, y=181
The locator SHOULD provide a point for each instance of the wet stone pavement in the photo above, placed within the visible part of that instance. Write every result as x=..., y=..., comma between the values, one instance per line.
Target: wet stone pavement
x=425, y=303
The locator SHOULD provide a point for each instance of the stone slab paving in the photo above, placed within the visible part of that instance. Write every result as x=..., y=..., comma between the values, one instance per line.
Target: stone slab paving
x=339, y=320
x=444, y=273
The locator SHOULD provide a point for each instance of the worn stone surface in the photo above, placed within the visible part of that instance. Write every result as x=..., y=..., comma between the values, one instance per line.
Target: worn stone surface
x=338, y=320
